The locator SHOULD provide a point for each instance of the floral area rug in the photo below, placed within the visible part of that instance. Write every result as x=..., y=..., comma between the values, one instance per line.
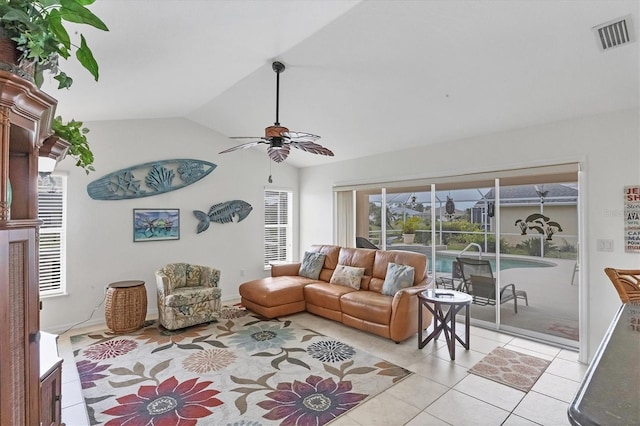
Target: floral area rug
x=241, y=370
x=511, y=368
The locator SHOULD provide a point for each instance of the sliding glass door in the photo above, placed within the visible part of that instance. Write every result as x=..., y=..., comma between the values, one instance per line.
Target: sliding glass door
x=523, y=226
x=539, y=256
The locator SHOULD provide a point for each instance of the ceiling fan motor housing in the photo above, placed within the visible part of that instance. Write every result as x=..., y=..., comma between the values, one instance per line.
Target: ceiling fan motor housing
x=274, y=132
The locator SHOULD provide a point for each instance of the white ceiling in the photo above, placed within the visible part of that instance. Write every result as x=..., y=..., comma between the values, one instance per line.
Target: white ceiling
x=368, y=76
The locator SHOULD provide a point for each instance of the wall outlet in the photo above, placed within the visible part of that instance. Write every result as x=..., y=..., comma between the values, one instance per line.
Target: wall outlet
x=604, y=245
x=242, y=272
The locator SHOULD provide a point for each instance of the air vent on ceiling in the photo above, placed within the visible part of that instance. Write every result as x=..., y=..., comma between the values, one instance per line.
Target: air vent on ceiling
x=614, y=33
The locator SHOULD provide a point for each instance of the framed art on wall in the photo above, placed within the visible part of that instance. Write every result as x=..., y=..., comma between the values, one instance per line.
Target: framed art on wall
x=156, y=224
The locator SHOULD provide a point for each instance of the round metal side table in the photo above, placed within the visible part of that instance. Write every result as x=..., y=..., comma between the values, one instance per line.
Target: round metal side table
x=434, y=300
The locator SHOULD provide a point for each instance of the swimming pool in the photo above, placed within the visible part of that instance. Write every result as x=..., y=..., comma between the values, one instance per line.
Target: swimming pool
x=444, y=260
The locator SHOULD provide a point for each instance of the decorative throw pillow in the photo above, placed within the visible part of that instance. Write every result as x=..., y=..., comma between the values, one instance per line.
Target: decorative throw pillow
x=398, y=277
x=347, y=275
x=311, y=265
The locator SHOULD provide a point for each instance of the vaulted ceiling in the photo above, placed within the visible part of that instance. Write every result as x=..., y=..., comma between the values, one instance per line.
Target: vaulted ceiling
x=368, y=76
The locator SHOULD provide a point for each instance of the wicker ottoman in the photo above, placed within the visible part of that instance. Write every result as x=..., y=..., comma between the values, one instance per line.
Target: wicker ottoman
x=125, y=308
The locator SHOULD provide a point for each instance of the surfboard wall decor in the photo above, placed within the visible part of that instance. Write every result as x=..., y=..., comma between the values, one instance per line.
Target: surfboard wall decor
x=145, y=180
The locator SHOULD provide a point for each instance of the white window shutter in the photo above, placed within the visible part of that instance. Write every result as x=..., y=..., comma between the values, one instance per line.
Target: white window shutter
x=277, y=226
x=52, y=212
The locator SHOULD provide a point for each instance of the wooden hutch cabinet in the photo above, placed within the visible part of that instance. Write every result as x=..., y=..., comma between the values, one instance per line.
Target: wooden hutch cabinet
x=25, y=123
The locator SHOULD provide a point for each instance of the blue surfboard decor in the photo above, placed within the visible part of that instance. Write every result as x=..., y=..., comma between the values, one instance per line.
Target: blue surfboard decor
x=145, y=180
x=223, y=213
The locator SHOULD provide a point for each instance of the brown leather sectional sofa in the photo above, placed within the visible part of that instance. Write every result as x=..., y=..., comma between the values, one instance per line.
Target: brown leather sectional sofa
x=394, y=317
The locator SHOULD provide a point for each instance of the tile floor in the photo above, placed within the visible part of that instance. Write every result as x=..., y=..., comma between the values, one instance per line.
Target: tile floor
x=440, y=393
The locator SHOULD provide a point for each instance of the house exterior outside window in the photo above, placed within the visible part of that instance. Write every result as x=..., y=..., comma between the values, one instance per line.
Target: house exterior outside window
x=277, y=226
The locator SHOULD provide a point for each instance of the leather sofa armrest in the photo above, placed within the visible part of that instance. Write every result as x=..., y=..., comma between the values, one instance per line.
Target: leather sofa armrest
x=412, y=291
x=404, y=311
x=285, y=269
x=405, y=300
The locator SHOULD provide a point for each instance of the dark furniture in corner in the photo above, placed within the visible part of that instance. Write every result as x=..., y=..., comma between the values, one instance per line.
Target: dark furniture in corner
x=25, y=127
x=610, y=390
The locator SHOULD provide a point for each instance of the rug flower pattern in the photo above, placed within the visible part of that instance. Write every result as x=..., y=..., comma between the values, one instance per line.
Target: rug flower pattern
x=240, y=370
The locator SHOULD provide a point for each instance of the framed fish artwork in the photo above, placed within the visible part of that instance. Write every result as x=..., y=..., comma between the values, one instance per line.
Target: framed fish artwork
x=156, y=224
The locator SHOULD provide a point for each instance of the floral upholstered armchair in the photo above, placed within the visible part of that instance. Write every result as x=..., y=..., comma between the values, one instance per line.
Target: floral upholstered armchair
x=187, y=295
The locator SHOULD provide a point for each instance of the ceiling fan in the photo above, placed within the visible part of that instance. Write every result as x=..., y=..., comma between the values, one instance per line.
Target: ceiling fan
x=279, y=138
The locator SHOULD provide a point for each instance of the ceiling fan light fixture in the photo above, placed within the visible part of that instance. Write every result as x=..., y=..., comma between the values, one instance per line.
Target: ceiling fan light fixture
x=276, y=143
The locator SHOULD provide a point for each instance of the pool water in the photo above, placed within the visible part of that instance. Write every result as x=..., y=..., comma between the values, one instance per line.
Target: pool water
x=443, y=263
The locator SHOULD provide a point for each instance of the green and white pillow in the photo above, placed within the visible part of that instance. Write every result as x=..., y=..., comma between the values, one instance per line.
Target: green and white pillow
x=311, y=265
x=347, y=275
x=398, y=277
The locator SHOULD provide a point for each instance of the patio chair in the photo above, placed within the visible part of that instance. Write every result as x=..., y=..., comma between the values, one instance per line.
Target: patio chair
x=478, y=281
x=362, y=242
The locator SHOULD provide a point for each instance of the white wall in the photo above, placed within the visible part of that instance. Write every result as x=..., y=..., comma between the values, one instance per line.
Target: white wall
x=607, y=146
x=100, y=247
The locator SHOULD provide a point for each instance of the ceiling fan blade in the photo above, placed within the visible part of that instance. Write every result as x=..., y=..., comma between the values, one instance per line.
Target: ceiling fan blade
x=242, y=146
x=300, y=136
x=312, y=147
x=247, y=137
x=278, y=154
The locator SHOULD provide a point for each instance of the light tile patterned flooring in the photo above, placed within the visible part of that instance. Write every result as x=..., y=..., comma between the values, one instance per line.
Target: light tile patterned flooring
x=440, y=393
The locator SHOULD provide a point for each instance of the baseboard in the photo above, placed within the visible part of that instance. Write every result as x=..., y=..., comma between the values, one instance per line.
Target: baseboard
x=151, y=314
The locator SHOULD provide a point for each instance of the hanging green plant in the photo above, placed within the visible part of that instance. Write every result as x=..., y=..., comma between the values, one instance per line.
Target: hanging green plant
x=76, y=135
x=36, y=26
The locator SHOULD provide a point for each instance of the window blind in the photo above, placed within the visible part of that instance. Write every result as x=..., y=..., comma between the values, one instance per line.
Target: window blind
x=277, y=226
x=52, y=249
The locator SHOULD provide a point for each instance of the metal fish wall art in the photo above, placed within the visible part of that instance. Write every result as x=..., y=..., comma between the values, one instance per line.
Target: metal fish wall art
x=158, y=177
x=223, y=213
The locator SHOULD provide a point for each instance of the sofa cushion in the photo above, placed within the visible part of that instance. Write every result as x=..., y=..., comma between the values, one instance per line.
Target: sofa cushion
x=331, y=254
x=398, y=277
x=193, y=276
x=367, y=305
x=274, y=291
x=191, y=295
x=176, y=274
x=326, y=295
x=361, y=258
x=417, y=260
x=311, y=265
x=347, y=275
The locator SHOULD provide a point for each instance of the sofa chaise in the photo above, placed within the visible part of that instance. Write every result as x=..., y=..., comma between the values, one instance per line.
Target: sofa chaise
x=371, y=290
